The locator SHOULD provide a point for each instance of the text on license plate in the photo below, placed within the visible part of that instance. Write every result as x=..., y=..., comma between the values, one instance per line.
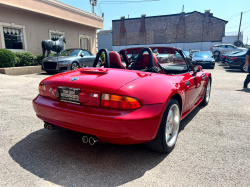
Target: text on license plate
x=69, y=94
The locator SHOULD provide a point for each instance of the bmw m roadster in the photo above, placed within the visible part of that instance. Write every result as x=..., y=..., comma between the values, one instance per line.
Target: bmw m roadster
x=142, y=101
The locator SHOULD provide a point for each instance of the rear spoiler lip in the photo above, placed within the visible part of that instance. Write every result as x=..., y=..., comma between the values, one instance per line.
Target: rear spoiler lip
x=98, y=71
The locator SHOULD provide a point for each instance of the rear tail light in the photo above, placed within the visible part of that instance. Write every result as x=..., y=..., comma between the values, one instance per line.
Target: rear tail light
x=228, y=57
x=212, y=47
x=223, y=56
x=42, y=89
x=234, y=58
x=119, y=102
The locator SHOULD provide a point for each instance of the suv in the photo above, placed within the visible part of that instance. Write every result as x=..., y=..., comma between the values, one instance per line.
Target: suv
x=225, y=48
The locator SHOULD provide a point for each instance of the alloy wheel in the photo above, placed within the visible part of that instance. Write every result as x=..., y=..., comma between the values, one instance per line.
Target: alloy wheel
x=74, y=66
x=172, y=125
x=208, y=90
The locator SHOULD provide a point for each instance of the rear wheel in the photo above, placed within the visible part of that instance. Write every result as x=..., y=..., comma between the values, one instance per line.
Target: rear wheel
x=169, y=128
x=244, y=68
x=206, y=97
x=74, y=66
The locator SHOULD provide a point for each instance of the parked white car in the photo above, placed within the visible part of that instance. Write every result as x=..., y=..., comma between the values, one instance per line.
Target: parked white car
x=226, y=48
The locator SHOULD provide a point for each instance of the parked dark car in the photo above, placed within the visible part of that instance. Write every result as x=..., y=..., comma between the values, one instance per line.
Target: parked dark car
x=69, y=59
x=224, y=57
x=204, y=59
x=238, y=61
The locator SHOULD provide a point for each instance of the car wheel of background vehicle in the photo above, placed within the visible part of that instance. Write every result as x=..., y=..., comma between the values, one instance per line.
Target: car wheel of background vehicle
x=74, y=66
x=244, y=68
x=167, y=134
x=206, y=97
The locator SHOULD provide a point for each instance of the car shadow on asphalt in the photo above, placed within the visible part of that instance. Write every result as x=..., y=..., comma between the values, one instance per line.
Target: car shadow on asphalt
x=232, y=70
x=189, y=117
x=59, y=156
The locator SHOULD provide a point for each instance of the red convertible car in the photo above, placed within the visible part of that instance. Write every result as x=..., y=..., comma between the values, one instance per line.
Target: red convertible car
x=128, y=102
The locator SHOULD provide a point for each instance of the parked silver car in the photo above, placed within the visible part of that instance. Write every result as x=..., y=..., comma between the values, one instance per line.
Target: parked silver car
x=225, y=48
x=69, y=59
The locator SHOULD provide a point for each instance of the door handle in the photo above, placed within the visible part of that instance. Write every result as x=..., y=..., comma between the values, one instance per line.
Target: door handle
x=187, y=83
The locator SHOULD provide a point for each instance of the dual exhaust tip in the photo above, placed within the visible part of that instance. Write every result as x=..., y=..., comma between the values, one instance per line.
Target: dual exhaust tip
x=91, y=140
x=85, y=139
x=49, y=126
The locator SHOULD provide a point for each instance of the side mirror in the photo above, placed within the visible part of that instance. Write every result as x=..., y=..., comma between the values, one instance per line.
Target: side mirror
x=197, y=69
x=81, y=55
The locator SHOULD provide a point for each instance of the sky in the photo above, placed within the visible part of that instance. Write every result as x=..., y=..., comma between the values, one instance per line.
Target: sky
x=229, y=10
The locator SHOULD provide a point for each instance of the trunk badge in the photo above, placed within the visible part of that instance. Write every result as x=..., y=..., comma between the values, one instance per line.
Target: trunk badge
x=74, y=79
x=94, y=95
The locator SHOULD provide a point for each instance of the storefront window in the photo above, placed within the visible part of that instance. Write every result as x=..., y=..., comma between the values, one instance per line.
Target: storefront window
x=13, y=38
x=55, y=37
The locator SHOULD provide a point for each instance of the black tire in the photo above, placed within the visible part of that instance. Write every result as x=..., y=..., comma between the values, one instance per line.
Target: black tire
x=242, y=68
x=74, y=66
x=159, y=143
x=205, y=100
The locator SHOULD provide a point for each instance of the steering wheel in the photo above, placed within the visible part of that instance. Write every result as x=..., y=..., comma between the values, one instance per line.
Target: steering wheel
x=107, y=60
x=151, y=59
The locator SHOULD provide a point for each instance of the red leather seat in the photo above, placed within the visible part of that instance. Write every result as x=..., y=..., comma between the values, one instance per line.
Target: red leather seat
x=115, y=60
x=144, y=62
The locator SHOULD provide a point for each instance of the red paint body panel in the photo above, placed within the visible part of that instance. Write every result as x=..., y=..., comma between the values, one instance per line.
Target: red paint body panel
x=112, y=126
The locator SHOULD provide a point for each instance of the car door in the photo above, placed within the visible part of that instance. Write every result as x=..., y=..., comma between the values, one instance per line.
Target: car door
x=192, y=83
x=223, y=49
x=231, y=48
x=88, y=59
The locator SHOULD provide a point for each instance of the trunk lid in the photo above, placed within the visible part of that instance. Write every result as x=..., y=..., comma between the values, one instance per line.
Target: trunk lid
x=92, y=82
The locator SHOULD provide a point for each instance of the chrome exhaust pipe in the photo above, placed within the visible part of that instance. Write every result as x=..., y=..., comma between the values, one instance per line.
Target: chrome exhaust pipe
x=93, y=141
x=85, y=139
x=49, y=127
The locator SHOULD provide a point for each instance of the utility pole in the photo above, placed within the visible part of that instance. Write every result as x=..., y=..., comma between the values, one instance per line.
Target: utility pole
x=93, y=3
x=240, y=25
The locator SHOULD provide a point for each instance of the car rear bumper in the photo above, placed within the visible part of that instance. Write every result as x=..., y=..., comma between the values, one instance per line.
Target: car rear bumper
x=111, y=126
x=235, y=63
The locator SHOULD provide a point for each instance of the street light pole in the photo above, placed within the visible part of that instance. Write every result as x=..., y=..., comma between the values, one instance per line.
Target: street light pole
x=93, y=3
x=240, y=26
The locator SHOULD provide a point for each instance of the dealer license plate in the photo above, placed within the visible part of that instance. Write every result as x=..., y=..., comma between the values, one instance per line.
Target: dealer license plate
x=69, y=95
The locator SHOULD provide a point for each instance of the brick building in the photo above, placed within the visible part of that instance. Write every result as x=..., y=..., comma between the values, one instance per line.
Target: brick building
x=184, y=30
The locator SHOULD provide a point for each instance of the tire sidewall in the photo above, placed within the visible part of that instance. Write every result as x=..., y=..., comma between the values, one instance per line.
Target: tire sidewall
x=74, y=63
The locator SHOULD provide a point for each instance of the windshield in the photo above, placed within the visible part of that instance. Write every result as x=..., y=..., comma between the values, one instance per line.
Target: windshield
x=70, y=52
x=203, y=55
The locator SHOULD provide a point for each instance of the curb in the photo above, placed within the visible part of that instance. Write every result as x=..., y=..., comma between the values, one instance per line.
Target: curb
x=21, y=70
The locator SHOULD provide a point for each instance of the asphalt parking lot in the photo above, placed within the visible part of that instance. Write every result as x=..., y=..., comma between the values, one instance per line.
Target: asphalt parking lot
x=213, y=147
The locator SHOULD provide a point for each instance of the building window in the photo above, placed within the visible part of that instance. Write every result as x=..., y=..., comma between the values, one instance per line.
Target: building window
x=85, y=42
x=13, y=38
x=54, y=35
